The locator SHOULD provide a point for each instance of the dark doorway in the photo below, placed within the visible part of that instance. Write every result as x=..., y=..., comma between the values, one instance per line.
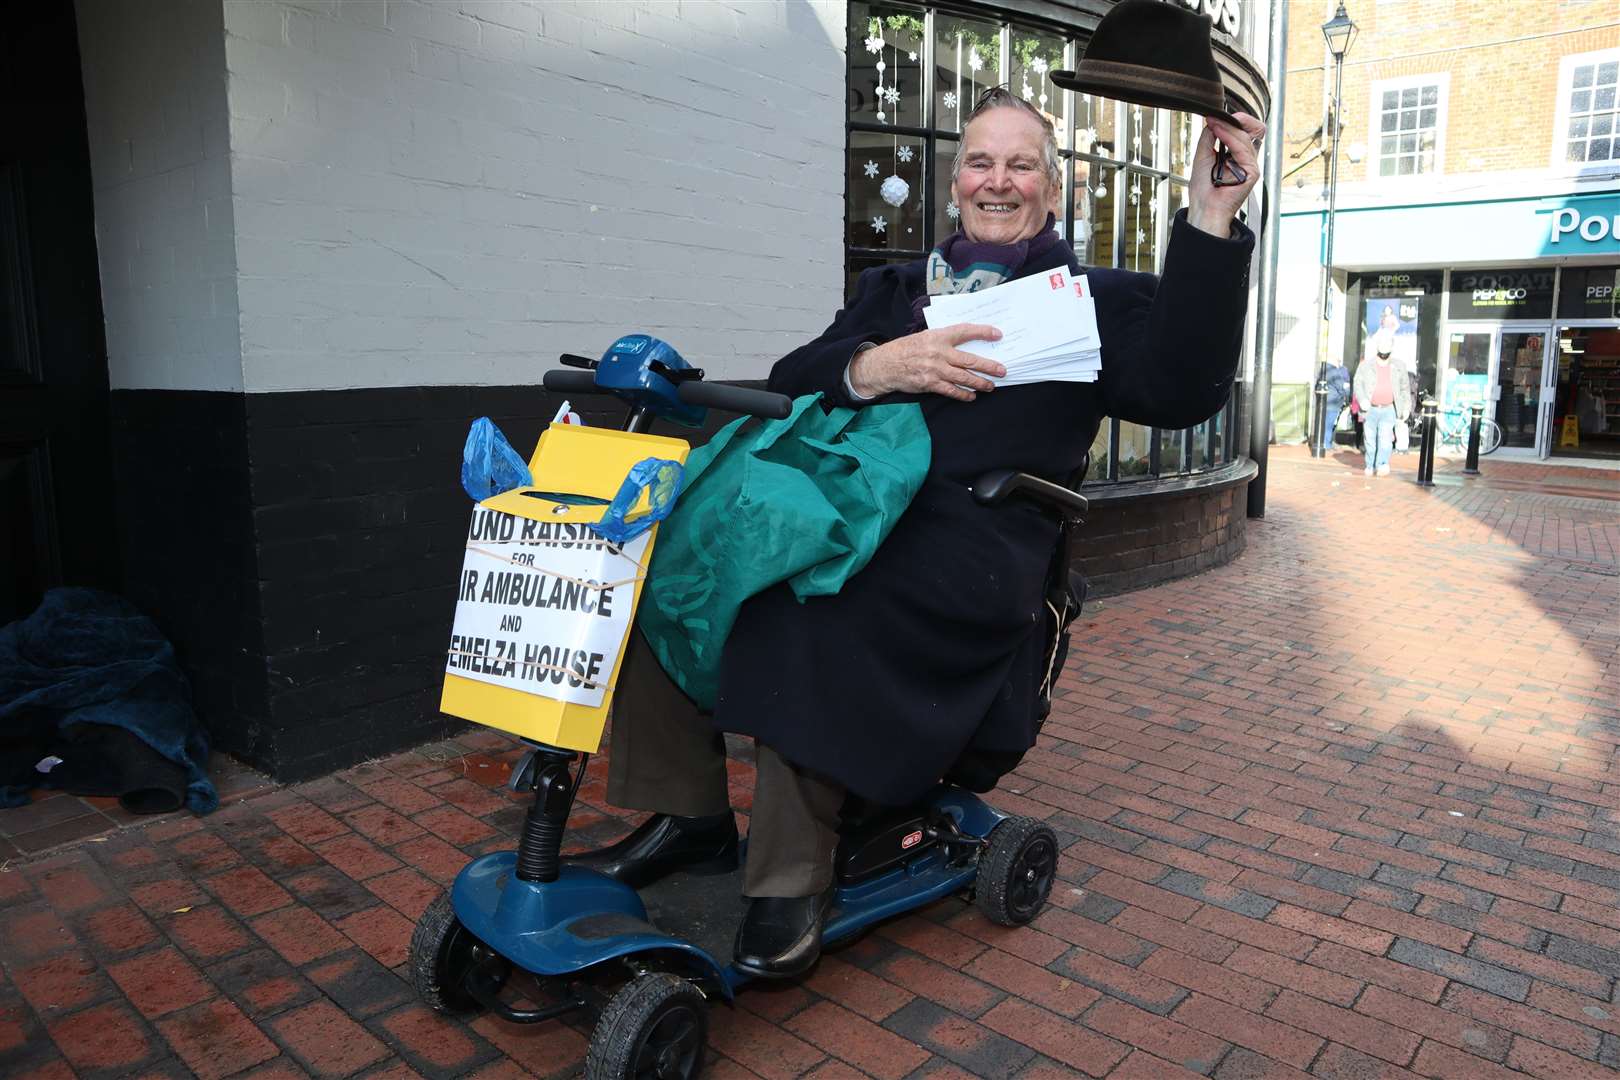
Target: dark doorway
x=55, y=474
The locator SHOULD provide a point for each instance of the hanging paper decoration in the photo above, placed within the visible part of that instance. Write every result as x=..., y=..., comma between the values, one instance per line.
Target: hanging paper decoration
x=1028, y=91
x=879, y=224
x=949, y=100
x=891, y=94
x=874, y=44
x=913, y=57
x=894, y=191
x=974, y=62
x=871, y=168
x=904, y=153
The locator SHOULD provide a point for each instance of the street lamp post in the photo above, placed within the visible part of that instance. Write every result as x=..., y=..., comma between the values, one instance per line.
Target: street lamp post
x=1339, y=31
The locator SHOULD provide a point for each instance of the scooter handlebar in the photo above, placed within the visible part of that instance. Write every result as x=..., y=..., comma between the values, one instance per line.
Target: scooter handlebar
x=571, y=382
x=735, y=399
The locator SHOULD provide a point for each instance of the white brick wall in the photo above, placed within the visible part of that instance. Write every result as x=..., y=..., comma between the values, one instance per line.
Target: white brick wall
x=446, y=193
x=155, y=104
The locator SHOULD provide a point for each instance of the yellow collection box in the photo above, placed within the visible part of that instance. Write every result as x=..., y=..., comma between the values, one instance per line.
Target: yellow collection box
x=545, y=606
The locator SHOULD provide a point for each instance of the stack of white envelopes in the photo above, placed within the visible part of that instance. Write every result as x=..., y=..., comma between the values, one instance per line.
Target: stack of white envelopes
x=1048, y=324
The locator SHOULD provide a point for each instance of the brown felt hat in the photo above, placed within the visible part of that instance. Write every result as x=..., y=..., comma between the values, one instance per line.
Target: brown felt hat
x=1149, y=52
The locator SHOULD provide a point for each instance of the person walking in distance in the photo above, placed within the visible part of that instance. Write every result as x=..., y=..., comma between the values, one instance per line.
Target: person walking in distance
x=1384, y=396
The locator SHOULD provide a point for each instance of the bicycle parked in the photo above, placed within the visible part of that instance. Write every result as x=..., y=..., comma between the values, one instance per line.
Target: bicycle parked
x=1451, y=424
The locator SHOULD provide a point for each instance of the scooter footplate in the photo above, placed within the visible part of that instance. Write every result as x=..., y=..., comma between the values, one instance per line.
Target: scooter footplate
x=703, y=909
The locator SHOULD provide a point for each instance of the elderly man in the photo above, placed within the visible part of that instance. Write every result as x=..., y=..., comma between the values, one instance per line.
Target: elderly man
x=933, y=651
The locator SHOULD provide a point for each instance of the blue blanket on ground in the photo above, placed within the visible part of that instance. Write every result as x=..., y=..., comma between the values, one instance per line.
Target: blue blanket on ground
x=80, y=676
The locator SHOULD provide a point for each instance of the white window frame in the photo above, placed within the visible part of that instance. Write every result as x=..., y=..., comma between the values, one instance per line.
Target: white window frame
x=1375, y=115
x=1560, y=132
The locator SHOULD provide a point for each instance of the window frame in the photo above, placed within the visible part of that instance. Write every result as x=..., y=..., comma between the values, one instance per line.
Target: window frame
x=1375, y=115
x=1218, y=441
x=1558, y=154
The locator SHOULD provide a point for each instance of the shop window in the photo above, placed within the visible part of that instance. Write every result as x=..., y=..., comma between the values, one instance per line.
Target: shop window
x=914, y=73
x=1135, y=451
x=1173, y=452
x=967, y=62
x=1409, y=117
x=885, y=185
x=1588, y=122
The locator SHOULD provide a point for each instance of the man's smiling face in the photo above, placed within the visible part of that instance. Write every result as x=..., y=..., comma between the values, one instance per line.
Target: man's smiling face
x=1002, y=187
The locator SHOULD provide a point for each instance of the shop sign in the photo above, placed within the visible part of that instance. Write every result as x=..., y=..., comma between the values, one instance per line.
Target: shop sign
x=1501, y=294
x=1589, y=293
x=1224, y=13
x=1400, y=283
x=1568, y=222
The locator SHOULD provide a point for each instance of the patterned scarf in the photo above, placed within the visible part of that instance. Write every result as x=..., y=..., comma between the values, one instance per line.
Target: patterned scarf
x=960, y=265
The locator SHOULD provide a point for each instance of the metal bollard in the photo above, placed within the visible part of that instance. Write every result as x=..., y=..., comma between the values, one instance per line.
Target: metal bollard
x=1476, y=413
x=1425, y=477
x=1319, y=420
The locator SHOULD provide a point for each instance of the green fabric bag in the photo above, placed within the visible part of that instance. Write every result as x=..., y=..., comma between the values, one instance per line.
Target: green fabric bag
x=806, y=500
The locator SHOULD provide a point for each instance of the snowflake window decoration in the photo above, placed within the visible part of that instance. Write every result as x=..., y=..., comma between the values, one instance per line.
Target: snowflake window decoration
x=974, y=62
x=871, y=168
x=891, y=94
x=1039, y=64
x=912, y=57
x=949, y=100
x=1141, y=237
x=874, y=44
x=1028, y=91
x=904, y=153
x=879, y=224
x=952, y=211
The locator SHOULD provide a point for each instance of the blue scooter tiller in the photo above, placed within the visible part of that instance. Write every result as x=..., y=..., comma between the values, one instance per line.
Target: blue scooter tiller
x=527, y=937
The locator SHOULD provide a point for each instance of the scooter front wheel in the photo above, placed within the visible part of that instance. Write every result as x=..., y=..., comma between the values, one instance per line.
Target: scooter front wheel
x=1016, y=873
x=653, y=1029
x=443, y=953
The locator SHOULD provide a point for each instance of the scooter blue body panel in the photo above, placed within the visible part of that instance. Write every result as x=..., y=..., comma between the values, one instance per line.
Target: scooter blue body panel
x=583, y=918
x=559, y=927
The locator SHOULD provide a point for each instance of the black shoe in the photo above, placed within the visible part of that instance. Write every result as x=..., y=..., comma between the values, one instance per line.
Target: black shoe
x=664, y=844
x=780, y=937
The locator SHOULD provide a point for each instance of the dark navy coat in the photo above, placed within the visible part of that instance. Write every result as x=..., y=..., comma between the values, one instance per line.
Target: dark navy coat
x=932, y=648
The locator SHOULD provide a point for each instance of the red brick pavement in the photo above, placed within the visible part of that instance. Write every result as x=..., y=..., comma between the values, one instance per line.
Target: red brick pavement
x=1348, y=807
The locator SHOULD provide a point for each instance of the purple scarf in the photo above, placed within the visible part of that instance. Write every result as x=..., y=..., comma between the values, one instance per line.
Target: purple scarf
x=960, y=265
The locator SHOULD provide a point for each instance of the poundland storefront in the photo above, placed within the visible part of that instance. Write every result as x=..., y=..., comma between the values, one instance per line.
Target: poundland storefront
x=1509, y=301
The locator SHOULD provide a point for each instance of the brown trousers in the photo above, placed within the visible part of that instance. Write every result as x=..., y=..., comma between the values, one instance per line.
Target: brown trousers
x=665, y=756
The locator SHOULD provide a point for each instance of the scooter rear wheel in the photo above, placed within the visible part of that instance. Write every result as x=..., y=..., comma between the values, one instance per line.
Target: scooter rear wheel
x=653, y=1029
x=1016, y=874
x=443, y=952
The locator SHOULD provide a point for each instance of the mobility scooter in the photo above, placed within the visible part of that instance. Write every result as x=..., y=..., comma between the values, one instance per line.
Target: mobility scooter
x=647, y=963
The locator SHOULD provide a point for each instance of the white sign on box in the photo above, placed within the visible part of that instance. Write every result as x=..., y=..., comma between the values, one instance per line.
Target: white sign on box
x=543, y=607
x=1048, y=324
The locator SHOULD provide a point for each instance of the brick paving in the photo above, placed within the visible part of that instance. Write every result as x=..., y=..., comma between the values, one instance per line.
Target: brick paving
x=1346, y=808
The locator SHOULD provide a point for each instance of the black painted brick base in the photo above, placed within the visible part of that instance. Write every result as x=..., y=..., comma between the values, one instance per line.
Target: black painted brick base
x=185, y=542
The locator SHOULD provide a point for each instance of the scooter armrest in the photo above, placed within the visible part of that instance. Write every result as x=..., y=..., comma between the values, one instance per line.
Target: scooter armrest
x=996, y=486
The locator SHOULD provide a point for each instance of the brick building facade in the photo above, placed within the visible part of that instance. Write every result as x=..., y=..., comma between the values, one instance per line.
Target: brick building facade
x=1468, y=161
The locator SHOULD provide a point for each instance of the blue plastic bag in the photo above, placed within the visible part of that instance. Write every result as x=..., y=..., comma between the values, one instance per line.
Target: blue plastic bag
x=489, y=465
x=661, y=480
